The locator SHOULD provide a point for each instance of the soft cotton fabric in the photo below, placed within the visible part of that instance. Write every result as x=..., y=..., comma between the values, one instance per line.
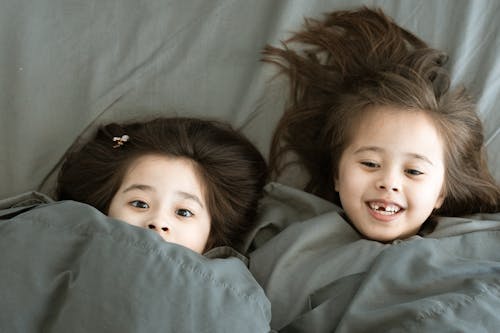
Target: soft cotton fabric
x=65, y=267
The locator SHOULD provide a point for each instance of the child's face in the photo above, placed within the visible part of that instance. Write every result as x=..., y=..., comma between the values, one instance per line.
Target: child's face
x=165, y=195
x=391, y=175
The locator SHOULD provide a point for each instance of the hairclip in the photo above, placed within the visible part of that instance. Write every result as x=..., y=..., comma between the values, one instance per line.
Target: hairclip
x=120, y=140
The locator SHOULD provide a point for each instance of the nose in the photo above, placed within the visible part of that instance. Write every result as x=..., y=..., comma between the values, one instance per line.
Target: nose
x=389, y=181
x=159, y=227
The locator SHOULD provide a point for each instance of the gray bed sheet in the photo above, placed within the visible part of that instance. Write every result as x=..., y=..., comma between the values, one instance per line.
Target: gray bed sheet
x=322, y=276
x=66, y=267
x=66, y=66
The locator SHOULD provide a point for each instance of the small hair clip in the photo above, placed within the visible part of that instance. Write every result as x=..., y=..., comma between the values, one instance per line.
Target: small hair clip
x=120, y=140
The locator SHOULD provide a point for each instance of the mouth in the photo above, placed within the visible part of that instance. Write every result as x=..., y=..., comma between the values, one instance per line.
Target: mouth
x=384, y=208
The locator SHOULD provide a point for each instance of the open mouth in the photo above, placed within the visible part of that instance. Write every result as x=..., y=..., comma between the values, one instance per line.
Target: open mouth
x=384, y=208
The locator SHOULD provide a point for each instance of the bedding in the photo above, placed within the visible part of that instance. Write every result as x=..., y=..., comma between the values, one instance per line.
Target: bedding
x=68, y=66
x=322, y=276
x=65, y=267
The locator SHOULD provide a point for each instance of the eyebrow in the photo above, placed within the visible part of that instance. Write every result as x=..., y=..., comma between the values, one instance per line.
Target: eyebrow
x=378, y=150
x=148, y=188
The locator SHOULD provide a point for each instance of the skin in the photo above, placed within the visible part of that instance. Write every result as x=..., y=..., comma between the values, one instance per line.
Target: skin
x=391, y=175
x=165, y=195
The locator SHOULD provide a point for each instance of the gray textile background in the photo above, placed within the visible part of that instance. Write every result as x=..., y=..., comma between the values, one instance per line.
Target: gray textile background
x=66, y=65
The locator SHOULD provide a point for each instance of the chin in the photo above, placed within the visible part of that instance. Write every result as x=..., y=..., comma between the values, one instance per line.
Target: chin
x=381, y=238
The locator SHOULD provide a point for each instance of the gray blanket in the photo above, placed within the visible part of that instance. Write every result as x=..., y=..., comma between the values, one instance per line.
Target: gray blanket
x=65, y=267
x=322, y=276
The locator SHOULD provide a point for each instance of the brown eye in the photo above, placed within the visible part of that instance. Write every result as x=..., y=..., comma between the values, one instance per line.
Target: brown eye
x=414, y=172
x=370, y=164
x=139, y=204
x=184, y=213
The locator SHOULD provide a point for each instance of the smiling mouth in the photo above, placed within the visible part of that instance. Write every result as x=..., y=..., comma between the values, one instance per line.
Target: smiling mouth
x=384, y=208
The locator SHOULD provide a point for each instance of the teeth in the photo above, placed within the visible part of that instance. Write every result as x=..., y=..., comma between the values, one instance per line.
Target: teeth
x=384, y=209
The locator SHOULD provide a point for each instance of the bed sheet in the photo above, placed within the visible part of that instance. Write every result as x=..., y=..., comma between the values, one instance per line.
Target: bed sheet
x=67, y=66
x=321, y=275
x=52, y=260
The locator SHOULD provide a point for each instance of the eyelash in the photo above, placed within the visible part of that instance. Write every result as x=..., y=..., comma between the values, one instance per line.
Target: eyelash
x=182, y=212
x=373, y=165
x=136, y=204
x=370, y=164
x=413, y=172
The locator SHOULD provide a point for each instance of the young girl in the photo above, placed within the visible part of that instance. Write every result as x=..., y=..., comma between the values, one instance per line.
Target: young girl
x=375, y=125
x=195, y=182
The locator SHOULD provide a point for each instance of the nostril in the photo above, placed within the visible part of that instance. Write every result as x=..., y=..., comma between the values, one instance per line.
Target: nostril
x=164, y=229
x=151, y=226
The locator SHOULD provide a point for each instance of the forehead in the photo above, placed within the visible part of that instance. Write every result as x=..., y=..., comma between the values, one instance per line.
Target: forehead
x=157, y=161
x=164, y=171
x=394, y=129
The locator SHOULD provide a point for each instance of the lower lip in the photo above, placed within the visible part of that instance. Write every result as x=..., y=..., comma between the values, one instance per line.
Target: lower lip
x=383, y=218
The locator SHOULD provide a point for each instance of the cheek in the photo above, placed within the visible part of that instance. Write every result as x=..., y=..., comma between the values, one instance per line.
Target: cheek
x=116, y=211
x=348, y=180
x=112, y=210
x=439, y=181
x=441, y=190
x=339, y=177
x=206, y=229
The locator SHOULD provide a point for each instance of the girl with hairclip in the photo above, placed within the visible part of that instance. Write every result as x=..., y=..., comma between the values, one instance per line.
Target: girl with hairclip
x=195, y=182
x=147, y=235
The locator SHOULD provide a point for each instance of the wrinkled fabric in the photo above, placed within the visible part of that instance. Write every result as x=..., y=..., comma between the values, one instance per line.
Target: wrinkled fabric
x=322, y=276
x=65, y=267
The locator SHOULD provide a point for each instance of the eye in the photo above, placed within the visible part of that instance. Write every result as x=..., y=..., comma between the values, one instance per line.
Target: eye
x=370, y=164
x=139, y=204
x=184, y=212
x=414, y=172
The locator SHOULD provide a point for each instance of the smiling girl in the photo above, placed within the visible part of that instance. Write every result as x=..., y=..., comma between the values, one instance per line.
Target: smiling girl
x=195, y=182
x=390, y=176
x=373, y=121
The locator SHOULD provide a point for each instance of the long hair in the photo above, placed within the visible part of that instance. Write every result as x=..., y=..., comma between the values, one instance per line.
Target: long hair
x=231, y=168
x=340, y=66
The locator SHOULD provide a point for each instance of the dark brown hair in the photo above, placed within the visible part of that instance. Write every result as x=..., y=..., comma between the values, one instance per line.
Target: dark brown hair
x=352, y=60
x=231, y=168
